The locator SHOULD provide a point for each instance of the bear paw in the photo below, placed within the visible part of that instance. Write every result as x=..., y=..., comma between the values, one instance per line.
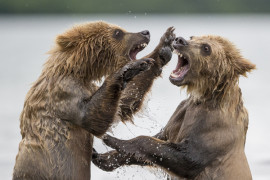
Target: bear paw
x=136, y=67
x=168, y=37
x=165, y=53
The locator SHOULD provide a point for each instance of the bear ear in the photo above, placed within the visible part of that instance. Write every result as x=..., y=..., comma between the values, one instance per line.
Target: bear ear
x=243, y=66
x=66, y=42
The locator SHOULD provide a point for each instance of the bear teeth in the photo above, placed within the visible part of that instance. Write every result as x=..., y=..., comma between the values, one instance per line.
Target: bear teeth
x=178, y=53
x=143, y=45
x=180, y=69
x=174, y=75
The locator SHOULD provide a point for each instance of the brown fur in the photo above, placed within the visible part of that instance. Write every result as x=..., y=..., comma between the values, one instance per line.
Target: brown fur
x=205, y=137
x=64, y=108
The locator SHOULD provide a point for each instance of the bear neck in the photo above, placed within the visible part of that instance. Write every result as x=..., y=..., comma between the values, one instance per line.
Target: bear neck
x=228, y=96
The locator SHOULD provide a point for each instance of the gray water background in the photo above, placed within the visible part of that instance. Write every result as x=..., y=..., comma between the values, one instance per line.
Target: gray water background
x=24, y=41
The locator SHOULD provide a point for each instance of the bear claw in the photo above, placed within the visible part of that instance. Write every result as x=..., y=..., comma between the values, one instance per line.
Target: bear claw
x=168, y=37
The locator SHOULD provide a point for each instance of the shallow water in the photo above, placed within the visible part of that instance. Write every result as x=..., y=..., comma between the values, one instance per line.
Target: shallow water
x=25, y=40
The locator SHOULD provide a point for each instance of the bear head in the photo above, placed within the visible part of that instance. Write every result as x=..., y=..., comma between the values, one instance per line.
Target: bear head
x=208, y=65
x=93, y=50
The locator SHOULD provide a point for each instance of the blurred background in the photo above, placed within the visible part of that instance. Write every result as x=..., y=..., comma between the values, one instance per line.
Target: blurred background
x=28, y=29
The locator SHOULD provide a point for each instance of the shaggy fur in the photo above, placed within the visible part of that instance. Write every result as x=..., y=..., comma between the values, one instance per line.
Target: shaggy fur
x=64, y=108
x=205, y=137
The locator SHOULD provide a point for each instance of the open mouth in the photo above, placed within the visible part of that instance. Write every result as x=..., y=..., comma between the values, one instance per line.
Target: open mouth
x=182, y=67
x=136, y=49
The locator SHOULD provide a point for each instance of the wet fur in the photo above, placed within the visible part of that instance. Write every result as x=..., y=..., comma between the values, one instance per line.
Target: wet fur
x=205, y=137
x=64, y=108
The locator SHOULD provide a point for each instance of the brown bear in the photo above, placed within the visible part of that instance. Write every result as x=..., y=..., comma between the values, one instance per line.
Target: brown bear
x=64, y=108
x=205, y=137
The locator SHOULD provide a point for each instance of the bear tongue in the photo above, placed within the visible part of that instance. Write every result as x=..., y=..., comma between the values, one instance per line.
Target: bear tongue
x=181, y=67
x=179, y=72
x=133, y=54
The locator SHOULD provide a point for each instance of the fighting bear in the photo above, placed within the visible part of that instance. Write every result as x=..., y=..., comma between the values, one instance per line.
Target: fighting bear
x=65, y=108
x=205, y=137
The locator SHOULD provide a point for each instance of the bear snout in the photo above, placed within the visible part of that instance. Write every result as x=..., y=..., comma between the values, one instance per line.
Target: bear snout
x=179, y=41
x=146, y=34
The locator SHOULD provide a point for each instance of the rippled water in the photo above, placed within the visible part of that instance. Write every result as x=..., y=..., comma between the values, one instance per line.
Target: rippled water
x=25, y=40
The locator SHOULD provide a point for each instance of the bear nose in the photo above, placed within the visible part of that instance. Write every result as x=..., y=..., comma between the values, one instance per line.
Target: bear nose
x=145, y=33
x=181, y=41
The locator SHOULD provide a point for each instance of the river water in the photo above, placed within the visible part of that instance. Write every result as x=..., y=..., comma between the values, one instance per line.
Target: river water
x=24, y=41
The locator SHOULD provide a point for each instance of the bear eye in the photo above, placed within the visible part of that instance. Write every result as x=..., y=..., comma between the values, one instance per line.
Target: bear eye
x=206, y=49
x=118, y=34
